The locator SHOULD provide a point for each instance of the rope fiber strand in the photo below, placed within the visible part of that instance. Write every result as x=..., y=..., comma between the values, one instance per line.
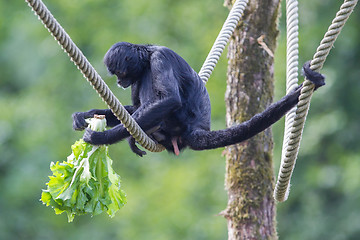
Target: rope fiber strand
x=92, y=76
x=291, y=150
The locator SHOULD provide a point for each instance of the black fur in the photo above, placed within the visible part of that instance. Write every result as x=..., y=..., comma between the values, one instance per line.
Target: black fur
x=171, y=103
x=317, y=78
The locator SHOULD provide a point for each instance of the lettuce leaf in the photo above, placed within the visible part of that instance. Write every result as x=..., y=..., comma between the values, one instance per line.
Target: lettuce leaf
x=86, y=182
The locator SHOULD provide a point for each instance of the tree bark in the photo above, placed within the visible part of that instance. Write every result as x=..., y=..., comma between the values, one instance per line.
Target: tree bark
x=249, y=169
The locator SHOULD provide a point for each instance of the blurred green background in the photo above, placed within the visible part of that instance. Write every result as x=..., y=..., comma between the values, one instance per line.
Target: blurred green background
x=168, y=197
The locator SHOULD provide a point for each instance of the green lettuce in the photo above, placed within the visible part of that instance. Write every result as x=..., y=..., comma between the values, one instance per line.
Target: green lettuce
x=86, y=182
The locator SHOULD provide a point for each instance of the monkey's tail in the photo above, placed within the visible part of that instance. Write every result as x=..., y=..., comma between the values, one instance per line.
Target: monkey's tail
x=201, y=139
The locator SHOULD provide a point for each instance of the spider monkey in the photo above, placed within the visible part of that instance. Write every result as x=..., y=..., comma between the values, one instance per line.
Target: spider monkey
x=170, y=102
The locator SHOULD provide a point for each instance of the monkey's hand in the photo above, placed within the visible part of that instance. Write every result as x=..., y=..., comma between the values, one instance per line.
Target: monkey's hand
x=79, y=122
x=95, y=138
x=316, y=78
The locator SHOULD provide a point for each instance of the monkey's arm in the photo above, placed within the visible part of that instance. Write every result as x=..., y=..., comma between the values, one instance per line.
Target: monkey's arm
x=147, y=116
x=79, y=122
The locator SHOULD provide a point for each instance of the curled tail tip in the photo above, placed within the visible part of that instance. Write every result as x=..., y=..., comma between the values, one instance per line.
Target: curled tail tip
x=316, y=78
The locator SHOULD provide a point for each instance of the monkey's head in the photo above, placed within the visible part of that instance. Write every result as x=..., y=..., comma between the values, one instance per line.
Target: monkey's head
x=127, y=61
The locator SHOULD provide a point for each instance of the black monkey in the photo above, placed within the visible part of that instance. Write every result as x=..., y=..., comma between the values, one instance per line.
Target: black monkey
x=171, y=103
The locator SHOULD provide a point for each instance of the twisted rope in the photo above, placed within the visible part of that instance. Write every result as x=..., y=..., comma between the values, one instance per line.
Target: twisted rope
x=222, y=39
x=292, y=57
x=92, y=76
x=281, y=189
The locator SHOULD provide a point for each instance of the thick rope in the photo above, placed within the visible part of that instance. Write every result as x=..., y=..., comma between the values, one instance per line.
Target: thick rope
x=92, y=76
x=222, y=39
x=292, y=62
x=319, y=58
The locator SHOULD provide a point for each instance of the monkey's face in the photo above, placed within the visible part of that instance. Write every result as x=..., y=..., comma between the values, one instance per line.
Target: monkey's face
x=123, y=80
x=127, y=62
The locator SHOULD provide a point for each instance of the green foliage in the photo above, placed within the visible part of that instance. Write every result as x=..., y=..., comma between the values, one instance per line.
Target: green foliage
x=85, y=183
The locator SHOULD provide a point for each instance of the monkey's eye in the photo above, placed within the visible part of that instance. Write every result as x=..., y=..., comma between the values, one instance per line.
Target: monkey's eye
x=120, y=74
x=127, y=58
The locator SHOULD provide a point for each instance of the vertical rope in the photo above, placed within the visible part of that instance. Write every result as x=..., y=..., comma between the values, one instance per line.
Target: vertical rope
x=319, y=58
x=292, y=61
x=92, y=76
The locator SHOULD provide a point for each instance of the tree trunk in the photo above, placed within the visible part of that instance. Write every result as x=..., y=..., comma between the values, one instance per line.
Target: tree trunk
x=249, y=168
